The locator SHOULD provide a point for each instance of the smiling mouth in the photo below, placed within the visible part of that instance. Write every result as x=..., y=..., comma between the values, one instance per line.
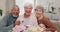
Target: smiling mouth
x=29, y=12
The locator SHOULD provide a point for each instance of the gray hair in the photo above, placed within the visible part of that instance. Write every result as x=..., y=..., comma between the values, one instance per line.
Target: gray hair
x=27, y=4
x=15, y=6
x=39, y=7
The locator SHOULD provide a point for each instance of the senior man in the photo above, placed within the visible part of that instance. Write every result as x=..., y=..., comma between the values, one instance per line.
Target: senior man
x=8, y=20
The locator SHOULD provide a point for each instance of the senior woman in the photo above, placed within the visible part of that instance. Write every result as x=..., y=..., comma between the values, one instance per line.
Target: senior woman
x=41, y=19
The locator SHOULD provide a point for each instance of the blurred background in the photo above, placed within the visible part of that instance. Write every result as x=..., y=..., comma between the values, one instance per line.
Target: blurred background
x=51, y=8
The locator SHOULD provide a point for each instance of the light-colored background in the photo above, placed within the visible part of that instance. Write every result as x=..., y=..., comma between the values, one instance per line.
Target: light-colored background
x=6, y=6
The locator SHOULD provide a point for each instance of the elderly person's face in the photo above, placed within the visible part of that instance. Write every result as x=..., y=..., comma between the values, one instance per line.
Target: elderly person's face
x=39, y=12
x=15, y=11
x=28, y=10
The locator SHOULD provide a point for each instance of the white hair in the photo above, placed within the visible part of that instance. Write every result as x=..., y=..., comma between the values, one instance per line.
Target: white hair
x=27, y=4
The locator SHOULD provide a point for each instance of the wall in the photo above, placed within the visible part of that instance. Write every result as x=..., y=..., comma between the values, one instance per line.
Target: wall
x=2, y=6
x=49, y=3
x=6, y=5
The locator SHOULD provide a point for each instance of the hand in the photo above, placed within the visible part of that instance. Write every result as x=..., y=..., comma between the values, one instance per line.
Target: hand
x=16, y=23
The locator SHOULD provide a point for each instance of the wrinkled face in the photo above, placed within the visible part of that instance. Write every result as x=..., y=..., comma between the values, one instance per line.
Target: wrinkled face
x=38, y=12
x=28, y=10
x=15, y=11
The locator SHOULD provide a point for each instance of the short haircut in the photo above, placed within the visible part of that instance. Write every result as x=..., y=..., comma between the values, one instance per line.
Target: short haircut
x=15, y=6
x=39, y=7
